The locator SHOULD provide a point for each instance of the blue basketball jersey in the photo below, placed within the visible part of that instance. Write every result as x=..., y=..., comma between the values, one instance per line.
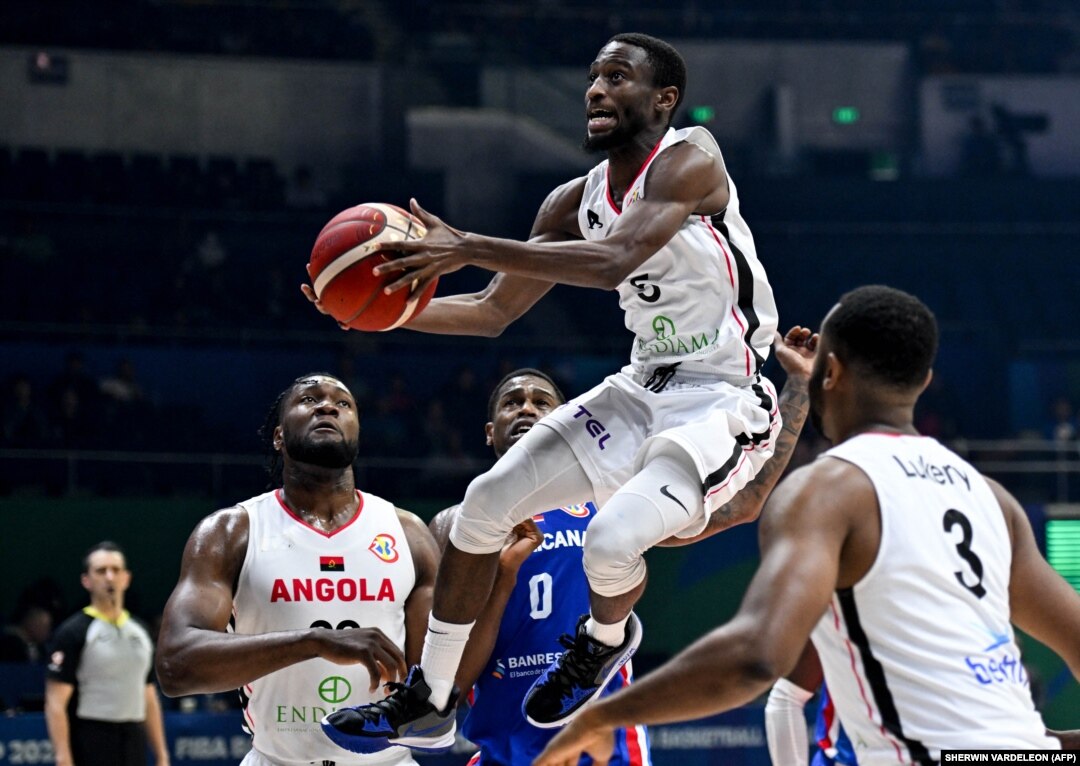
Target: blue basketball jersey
x=550, y=595
x=835, y=747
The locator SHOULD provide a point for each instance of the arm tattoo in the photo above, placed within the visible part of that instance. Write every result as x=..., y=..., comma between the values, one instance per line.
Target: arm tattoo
x=747, y=503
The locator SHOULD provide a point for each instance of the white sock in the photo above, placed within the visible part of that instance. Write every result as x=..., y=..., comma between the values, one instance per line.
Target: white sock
x=443, y=647
x=611, y=635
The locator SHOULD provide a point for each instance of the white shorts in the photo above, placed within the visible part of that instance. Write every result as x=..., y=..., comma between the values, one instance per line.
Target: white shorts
x=728, y=431
x=398, y=756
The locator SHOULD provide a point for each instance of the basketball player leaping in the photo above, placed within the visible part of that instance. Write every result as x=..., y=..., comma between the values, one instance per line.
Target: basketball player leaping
x=904, y=564
x=659, y=445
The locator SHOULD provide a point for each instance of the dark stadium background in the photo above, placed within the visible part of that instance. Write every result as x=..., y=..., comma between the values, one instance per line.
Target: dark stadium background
x=165, y=167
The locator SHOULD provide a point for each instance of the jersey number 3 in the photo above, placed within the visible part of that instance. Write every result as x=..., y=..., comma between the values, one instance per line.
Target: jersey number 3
x=954, y=518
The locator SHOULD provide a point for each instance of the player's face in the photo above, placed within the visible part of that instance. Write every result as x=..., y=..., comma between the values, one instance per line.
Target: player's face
x=319, y=423
x=619, y=96
x=107, y=576
x=522, y=401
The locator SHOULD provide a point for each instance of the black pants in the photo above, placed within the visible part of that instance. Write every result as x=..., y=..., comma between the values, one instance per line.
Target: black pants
x=104, y=743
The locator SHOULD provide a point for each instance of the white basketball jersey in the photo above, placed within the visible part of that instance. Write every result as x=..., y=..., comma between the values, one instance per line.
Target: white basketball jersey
x=295, y=576
x=703, y=299
x=920, y=655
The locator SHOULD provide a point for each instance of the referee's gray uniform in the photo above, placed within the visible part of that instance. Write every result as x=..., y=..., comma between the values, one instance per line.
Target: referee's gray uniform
x=109, y=664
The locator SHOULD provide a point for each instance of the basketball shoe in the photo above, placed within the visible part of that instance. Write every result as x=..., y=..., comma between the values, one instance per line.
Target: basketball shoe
x=578, y=676
x=405, y=717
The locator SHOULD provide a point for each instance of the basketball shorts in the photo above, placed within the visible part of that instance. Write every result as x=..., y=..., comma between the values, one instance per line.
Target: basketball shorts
x=728, y=431
x=395, y=756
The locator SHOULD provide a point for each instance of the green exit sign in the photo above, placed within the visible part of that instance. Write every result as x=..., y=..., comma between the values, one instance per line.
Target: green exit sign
x=845, y=115
x=1063, y=548
x=702, y=114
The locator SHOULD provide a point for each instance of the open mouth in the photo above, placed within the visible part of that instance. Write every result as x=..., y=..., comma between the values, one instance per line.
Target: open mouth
x=520, y=429
x=601, y=119
x=326, y=427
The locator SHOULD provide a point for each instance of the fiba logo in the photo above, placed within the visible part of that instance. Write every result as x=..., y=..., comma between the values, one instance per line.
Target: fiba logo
x=384, y=547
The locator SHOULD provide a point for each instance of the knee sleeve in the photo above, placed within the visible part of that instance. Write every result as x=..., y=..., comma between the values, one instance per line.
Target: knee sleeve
x=538, y=474
x=659, y=501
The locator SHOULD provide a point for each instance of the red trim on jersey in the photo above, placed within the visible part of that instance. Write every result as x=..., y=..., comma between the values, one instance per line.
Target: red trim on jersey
x=828, y=713
x=731, y=278
x=290, y=512
x=862, y=690
x=474, y=760
x=635, y=737
x=731, y=474
x=607, y=178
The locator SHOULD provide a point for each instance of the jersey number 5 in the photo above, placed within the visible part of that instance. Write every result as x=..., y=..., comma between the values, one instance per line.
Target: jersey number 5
x=951, y=519
x=647, y=291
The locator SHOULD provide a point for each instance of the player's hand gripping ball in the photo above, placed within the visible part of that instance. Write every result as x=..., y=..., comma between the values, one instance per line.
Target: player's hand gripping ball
x=350, y=245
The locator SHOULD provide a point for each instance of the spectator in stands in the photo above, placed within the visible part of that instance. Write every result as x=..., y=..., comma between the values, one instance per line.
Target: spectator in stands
x=122, y=387
x=24, y=421
x=126, y=404
x=73, y=423
x=1063, y=427
x=74, y=377
x=24, y=639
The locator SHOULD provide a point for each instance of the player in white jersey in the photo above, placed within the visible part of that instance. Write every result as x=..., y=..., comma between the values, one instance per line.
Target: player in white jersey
x=304, y=598
x=906, y=564
x=659, y=445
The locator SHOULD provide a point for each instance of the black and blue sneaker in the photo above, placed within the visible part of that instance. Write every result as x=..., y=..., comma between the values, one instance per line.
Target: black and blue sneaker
x=404, y=717
x=578, y=676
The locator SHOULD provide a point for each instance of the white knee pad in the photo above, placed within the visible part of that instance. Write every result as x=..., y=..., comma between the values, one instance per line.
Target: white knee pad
x=659, y=501
x=537, y=474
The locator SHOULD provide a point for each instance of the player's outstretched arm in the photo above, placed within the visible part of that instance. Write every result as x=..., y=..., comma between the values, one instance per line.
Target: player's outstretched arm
x=507, y=297
x=683, y=180
x=1042, y=603
x=195, y=654
x=795, y=351
x=801, y=541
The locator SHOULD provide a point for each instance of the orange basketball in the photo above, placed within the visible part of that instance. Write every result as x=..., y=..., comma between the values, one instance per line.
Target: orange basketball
x=350, y=245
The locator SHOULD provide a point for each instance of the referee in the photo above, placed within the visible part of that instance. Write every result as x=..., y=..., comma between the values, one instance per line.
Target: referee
x=100, y=705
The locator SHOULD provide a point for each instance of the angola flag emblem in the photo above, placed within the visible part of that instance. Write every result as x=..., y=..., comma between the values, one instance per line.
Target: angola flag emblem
x=331, y=563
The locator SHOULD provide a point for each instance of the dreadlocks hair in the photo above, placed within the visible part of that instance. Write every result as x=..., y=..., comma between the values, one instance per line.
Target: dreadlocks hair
x=890, y=335
x=274, y=462
x=493, y=400
x=668, y=66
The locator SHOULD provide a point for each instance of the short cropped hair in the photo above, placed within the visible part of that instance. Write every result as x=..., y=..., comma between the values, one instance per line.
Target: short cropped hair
x=105, y=545
x=667, y=64
x=889, y=334
x=493, y=400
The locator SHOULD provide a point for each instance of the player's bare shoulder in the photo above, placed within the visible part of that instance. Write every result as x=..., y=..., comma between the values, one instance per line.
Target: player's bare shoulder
x=416, y=532
x=798, y=499
x=219, y=543
x=441, y=525
x=692, y=172
x=557, y=217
